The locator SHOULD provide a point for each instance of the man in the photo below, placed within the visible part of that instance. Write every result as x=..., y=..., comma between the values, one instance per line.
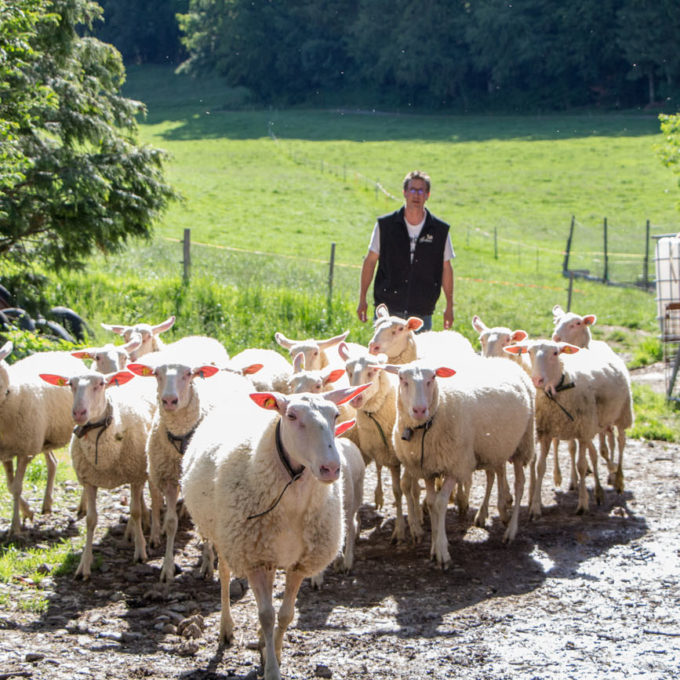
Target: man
x=413, y=251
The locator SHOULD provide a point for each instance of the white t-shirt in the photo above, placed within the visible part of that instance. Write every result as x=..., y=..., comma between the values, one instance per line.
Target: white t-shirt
x=413, y=232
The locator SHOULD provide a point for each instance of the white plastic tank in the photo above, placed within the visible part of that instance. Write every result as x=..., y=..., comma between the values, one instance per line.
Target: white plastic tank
x=668, y=286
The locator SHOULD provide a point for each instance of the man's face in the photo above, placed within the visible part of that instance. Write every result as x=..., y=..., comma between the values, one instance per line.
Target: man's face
x=416, y=193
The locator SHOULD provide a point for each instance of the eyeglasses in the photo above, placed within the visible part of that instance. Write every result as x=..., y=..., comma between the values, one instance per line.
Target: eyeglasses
x=417, y=192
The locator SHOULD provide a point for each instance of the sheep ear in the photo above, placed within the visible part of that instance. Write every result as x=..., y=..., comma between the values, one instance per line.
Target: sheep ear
x=299, y=362
x=142, y=370
x=334, y=375
x=444, y=372
x=381, y=311
x=83, y=354
x=272, y=401
x=163, y=326
x=478, y=324
x=589, y=319
x=283, y=340
x=135, y=343
x=343, y=427
x=413, y=323
x=519, y=335
x=6, y=349
x=343, y=351
x=341, y=396
x=58, y=380
x=392, y=368
x=205, y=371
x=252, y=368
x=118, y=379
x=516, y=349
x=326, y=344
x=566, y=348
x=118, y=330
x=557, y=311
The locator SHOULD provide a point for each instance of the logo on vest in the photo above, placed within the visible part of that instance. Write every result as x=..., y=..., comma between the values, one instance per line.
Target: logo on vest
x=427, y=238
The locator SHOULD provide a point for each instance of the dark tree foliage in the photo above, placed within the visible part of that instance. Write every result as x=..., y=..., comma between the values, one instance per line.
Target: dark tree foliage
x=72, y=175
x=143, y=31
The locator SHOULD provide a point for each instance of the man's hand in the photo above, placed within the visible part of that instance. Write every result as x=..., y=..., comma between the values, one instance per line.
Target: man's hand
x=448, y=318
x=361, y=311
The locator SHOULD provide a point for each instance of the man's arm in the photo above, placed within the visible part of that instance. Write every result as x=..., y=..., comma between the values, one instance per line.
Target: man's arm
x=447, y=287
x=367, y=270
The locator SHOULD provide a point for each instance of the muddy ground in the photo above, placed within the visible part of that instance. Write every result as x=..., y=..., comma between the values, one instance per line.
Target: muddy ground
x=572, y=597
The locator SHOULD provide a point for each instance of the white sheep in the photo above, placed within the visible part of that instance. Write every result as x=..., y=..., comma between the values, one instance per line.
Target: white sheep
x=182, y=403
x=575, y=329
x=34, y=418
x=577, y=396
x=149, y=334
x=352, y=471
x=108, y=446
x=275, y=371
x=258, y=485
x=209, y=348
x=376, y=412
x=397, y=338
x=481, y=418
x=314, y=351
x=110, y=358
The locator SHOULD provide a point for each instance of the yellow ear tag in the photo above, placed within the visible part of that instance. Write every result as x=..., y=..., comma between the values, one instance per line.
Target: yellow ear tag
x=270, y=402
x=62, y=382
x=146, y=371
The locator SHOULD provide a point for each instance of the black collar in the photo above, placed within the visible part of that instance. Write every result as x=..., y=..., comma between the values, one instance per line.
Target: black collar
x=181, y=442
x=564, y=386
x=81, y=430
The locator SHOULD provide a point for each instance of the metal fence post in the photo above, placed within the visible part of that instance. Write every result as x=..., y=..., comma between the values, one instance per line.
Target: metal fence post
x=330, y=280
x=645, y=264
x=605, y=275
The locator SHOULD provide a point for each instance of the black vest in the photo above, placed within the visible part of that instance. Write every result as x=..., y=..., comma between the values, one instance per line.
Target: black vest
x=405, y=287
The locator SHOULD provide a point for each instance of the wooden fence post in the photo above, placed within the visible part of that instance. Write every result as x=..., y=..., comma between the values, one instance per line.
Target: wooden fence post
x=605, y=275
x=330, y=280
x=645, y=264
x=187, y=255
x=565, y=264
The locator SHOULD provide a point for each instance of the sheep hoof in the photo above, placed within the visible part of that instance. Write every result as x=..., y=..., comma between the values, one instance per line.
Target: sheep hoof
x=581, y=510
x=599, y=496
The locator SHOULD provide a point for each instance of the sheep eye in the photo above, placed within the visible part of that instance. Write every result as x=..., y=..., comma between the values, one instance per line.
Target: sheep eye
x=291, y=416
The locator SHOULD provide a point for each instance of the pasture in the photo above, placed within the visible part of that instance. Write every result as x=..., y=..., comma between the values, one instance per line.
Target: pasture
x=266, y=192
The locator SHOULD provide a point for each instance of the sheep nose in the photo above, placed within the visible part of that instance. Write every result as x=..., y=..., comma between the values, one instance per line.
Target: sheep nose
x=538, y=381
x=373, y=348
x=170, y=402
x=329, y=472
x=79, y=415
x=419, y=411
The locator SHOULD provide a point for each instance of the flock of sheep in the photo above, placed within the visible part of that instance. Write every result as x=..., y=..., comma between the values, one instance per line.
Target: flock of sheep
x=269, y=455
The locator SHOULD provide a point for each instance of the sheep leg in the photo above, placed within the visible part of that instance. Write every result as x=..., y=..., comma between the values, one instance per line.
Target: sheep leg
x=136, y=500
x=287, y=609
x=378, y=496
x=408, y=486
x=85, y=565
x=618, y=478
x=483, y=512
x=261, y=582
x=463, y=498
x=82, y=505
x=573, y=481
x=226, y=622
x=511, y=531
x=557, y=473
x=15, y=488
x=535, y=506
x=582, y=467
x=170, y=525
x=437, y=502
x=156, y=504
x=599, y=491
x=24, y=508
x=399, y=533
x=504, y=496
x=51, y=463
x=207, y=560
